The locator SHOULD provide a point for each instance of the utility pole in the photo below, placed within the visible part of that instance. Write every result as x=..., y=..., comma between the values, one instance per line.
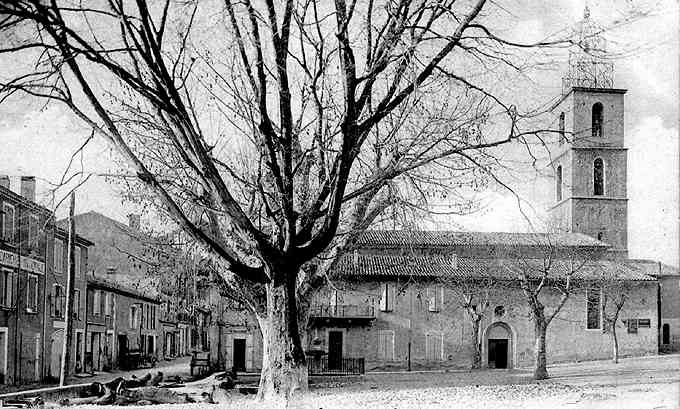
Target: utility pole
x=70, y=284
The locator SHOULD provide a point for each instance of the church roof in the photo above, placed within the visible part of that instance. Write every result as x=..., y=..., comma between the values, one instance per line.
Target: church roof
x=436, y=266
x=421, y=238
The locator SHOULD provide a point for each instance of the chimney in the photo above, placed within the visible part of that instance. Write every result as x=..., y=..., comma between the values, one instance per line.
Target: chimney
x=4, y=181
x=28, y=187
x=133, y=221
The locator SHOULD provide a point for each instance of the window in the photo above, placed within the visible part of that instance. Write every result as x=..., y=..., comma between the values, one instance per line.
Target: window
x=634, y=323
x=134, y=316
x=8, y=222
x=386, y=345
x=593, y=307
x=499, y=311
x=32, y=293
x=58, y=301
x=561, y=128
x=600, y=235
x=598, y=177
x=387, y=297
x=78, y=261
x=558, y=182
x=58, y=256
x=434, y=297
x=107, y=304
x=598, y=119
x=33, y=231
x=7, y=291
x=96, y=303
x=76, y=304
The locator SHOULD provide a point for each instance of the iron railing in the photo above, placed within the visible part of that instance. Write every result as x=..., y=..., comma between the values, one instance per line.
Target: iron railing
x=342, y=311
x=339, y=366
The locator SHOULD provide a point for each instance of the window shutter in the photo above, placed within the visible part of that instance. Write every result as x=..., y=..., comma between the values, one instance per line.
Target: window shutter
x=383, y=298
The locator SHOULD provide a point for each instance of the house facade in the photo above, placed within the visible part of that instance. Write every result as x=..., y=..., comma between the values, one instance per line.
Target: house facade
x=120, y=320
x=55, y=313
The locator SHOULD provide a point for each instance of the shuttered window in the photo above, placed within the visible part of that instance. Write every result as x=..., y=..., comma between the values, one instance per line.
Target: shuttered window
x=386, y=345
x=434, y=297
x=387, y=297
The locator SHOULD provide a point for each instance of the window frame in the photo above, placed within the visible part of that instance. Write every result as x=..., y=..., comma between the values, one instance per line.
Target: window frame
x=58, y=244
x=12, y=233
x=603, y=180
x=78, y=255
x=33, y=231
x=96, y=303
x=7, y=276
x=599, y=125
x=76, y=304
x=33, y=309
x=561, y=123
x=57, y=301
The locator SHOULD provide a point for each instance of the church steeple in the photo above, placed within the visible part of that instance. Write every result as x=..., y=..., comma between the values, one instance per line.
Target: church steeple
x=590, y=161
x=588, y=63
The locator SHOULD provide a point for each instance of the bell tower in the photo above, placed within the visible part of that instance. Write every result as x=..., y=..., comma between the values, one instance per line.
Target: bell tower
x=589, y=162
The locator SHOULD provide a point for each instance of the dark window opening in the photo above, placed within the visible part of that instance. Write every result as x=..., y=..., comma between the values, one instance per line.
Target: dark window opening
x=499, y=311
x=598, y=177
x=600, y=236
x=593, y=308
x=561, y=128
x=598, y=118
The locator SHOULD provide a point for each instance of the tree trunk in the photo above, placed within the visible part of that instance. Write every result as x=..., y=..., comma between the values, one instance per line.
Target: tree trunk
x=615, y=345
x=284, y=368
x=476, y=352
x=540, y=369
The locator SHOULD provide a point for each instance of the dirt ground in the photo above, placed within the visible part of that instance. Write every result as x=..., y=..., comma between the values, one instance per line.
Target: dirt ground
x=651, y=382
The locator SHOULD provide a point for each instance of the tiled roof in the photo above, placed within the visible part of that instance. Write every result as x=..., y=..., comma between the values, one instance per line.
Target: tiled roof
x=419, y=238
x=654, y=268
x=441, y=266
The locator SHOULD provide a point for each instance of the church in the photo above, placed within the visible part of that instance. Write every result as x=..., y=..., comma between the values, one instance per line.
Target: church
x=444, y=299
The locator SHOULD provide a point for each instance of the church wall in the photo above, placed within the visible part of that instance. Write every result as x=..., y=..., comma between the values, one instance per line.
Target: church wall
x=614, y=172
x=590, y=216
x=410, y=318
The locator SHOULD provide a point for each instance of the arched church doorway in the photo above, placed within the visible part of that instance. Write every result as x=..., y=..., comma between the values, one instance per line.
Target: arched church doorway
x=499, y=346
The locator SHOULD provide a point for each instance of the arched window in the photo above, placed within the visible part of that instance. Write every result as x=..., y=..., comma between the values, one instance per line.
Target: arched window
x=598, y=119
x=558, y=183
x=666, y=334
x=598, y=177
x=561, y=128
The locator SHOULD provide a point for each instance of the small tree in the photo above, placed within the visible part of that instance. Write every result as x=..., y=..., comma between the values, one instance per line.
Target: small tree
x=472, y=294
x=615, y=291
x=550, y=269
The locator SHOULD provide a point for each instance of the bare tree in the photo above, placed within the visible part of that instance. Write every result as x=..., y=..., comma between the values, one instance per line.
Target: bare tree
x=264, y=129
x=546, y=279
x=614, y=291
x=473, y=295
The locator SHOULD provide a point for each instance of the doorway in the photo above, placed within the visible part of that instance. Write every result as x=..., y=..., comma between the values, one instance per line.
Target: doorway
x=79, y=352
x=334, y=350
x=498, y=353
x=239, y=355
x=666, y=335
x=122, y=349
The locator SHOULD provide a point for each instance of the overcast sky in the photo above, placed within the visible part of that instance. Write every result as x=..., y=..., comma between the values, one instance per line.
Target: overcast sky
x=40, y=141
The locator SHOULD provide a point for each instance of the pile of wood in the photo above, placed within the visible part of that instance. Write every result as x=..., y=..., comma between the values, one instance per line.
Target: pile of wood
x=154, y=389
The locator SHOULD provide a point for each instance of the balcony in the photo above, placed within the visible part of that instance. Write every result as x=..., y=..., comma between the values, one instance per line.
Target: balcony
x=341, y=314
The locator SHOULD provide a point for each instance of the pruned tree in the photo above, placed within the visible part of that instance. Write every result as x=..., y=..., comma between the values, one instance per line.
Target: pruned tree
x=265, y=128
x=546, y=278
x=614, y=292
x=472, y=295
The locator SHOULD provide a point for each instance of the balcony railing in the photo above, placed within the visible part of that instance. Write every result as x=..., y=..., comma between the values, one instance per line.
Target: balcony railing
x=342, y=311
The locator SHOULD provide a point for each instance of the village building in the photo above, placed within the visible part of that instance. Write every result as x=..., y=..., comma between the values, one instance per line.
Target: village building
x=123, y=326
x=144, y=264
x=55, y=313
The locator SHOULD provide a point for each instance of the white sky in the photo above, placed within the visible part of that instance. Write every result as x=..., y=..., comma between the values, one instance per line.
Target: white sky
x=37, y=141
